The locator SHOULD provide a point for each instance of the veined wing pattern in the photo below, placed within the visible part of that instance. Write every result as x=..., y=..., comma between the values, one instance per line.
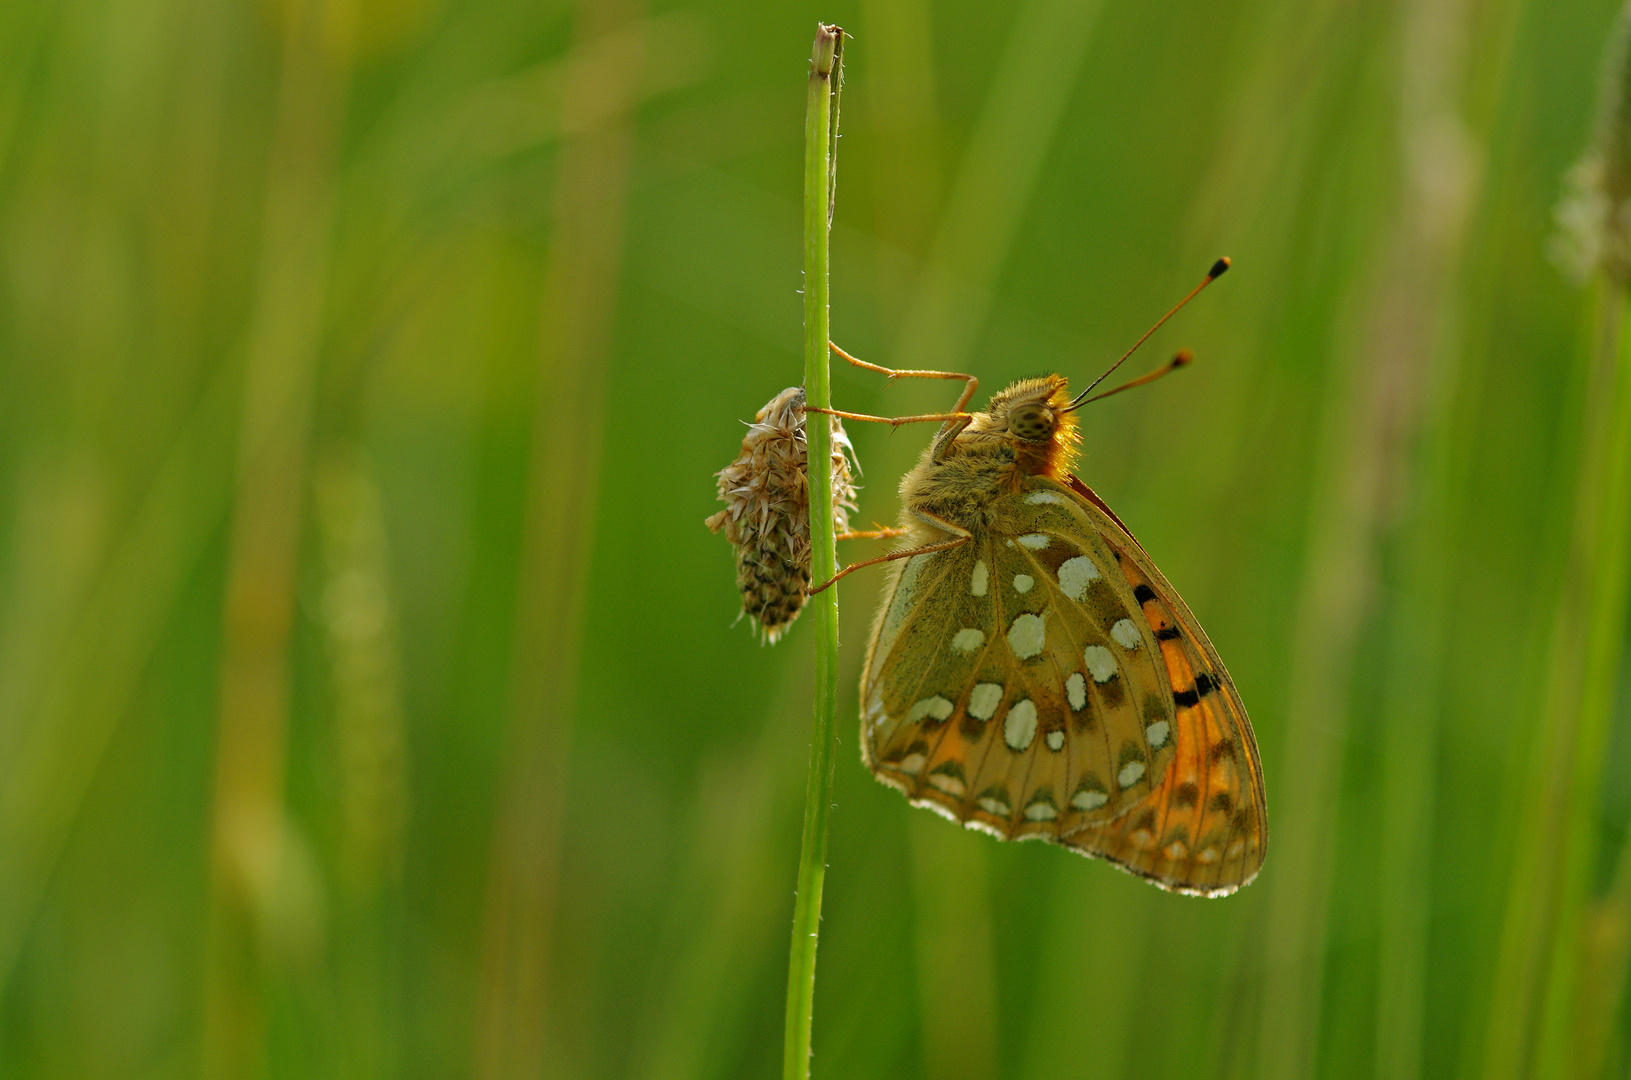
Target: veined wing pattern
x=1044, y=681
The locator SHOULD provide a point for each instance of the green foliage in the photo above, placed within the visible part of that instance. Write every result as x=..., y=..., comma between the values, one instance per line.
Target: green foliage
x=369, y=699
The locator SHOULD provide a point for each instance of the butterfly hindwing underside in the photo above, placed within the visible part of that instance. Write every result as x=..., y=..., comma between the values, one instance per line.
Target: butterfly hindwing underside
x=1043, y=681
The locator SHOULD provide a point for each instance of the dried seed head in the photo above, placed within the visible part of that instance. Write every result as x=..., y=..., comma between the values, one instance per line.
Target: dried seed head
x=766, y=494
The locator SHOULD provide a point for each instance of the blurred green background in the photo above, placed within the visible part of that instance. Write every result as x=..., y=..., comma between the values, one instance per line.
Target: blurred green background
x=370, y=703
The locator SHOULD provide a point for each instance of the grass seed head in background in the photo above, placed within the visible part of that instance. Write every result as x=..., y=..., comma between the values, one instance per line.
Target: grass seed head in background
x=766, y=492
x=1594, y=215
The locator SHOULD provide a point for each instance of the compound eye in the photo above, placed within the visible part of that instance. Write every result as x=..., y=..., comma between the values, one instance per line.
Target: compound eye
x=1033, y=423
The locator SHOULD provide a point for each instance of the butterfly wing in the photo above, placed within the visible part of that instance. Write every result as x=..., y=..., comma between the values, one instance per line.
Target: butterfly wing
x=1011, y=684
x=1036, y=683
x=1204, y=829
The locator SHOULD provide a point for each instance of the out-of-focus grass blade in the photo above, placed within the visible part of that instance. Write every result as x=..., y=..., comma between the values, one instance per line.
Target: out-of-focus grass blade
x=1372, y=397
x=255, y=853
x=993, y=182
x=1538, y=999
x=897, y=94
x=88, y=687
x=1080, y=936
x=425, y=160
x=1441, y=157
x=578, y=305
x=1605, y=957
x=726, y=910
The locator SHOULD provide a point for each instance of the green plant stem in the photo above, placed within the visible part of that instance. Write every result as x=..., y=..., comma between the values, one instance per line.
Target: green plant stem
x=1533, y=1012
x=820, y=135
x=1604, y=546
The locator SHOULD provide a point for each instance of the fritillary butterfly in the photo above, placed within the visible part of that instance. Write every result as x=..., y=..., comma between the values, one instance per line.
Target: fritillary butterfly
x=1031, y=674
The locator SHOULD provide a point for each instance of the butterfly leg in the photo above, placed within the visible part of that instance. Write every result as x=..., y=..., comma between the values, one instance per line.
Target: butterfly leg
x=952, y=423
x=960, y=536
x=971, y=383
x=879, y=533
x=893, y=421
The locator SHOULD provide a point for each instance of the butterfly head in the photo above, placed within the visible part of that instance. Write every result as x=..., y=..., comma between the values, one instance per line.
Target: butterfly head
x=1034, y=417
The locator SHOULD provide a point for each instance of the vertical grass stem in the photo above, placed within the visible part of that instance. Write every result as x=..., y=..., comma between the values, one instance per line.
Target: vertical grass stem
x=1546, y=993
x=820, y=137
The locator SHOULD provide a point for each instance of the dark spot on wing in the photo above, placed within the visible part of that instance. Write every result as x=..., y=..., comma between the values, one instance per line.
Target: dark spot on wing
x=1103, y=602
x=1085, y=718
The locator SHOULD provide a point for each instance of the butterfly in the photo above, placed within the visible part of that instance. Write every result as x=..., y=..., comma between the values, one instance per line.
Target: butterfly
x=1032, y=674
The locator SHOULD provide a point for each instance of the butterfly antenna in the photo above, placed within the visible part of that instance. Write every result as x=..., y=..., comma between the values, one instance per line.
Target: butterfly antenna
x=1181, y=358
x=1082, y=399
